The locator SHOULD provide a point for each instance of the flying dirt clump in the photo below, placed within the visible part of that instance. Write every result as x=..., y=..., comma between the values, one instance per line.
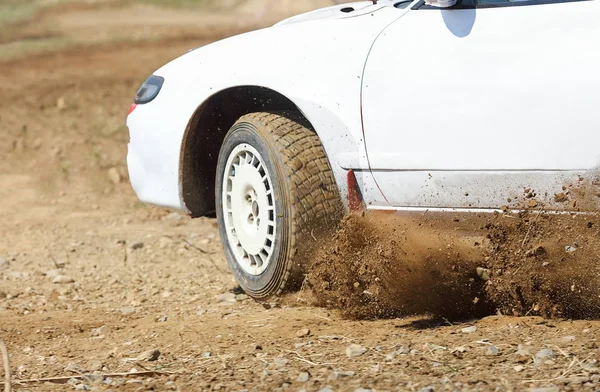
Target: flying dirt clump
x=382, y=265
x=529, y=263
x=545, y=264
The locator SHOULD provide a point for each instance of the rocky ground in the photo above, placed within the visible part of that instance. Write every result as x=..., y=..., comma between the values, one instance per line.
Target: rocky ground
x=99, y=292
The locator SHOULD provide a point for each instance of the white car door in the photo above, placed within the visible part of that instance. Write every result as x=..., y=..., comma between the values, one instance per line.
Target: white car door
x=465, y=107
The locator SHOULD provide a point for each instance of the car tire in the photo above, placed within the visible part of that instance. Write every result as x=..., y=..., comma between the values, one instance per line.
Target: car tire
x=275, y=196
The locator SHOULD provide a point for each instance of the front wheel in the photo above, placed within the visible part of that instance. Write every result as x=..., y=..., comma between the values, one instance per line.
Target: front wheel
x=275, y=195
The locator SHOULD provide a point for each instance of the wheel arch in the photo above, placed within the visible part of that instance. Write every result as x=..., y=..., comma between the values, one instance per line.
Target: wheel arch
x=204, y=136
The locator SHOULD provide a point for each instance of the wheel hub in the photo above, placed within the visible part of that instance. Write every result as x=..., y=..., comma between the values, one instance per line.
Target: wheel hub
x=249, y=209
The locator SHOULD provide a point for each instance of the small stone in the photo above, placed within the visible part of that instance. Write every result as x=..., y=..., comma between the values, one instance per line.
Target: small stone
x=355, y=350
x=518, y=368
x=206, y=355
x=567, y=339
x=427, y=389
x=95, y=365
x=100, y=331
x=404, y=350
x=150, y=355
x=127, y=310
x=74, y=368
x=492, y=350
x=537, y=251
x=523, y=354
x=326, y=389
x=362, y=390
x=133, y=370
x=340, y=375
x=532, y=203
x=470, y=329
x=303, y=377
x=483, y=273
x=82, y=387
x=60, y=103
x=561, y=197
x=114, y=176
x=570, y=249
x=225, y=298
x=241, y=297
x=544, y=354
x=303, y=332
x=136, y=245
x=280, y=362
x=60, y=279
x=4, y=264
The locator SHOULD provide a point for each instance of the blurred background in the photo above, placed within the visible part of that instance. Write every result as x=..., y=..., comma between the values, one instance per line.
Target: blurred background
x=37, y=25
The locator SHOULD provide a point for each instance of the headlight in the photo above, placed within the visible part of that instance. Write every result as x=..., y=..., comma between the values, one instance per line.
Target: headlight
x=149, y=89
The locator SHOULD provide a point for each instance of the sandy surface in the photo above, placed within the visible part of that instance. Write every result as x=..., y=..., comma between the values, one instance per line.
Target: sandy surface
x=92, y=282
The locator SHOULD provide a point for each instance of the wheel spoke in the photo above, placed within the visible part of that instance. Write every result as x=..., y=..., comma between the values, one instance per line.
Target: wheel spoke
x=247, y=196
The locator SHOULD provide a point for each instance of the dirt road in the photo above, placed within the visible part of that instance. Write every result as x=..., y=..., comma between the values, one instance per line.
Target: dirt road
x=93, y=284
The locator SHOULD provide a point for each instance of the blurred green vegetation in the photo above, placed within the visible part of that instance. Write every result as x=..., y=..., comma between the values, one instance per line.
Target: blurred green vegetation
x=12, y=11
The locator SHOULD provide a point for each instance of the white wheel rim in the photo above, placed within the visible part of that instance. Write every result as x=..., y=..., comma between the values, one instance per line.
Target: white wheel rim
x=249, y=209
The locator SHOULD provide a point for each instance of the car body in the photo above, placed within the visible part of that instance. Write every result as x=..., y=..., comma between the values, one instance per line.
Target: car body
x=416, y=107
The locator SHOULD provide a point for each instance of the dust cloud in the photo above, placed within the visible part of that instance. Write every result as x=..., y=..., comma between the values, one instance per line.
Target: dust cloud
x=457, y=266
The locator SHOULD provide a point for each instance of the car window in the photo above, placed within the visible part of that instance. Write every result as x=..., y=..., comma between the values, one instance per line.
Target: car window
x=403, y=4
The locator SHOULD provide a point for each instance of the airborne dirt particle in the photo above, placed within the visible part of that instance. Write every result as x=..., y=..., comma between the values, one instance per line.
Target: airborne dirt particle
x=384, y=265
x=381, y=265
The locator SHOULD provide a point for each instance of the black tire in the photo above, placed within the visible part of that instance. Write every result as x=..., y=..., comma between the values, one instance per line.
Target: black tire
x=307, y=199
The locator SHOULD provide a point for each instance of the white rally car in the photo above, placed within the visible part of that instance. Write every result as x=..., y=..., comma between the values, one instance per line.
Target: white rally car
x=390, y=105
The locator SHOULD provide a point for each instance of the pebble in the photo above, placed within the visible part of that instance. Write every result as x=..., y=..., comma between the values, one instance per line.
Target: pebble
x=82, y=387
x=355, y=350
x=518, y=368
x=523, y=354
x=3, y=263
x=303, y=332
x=280, y=362
x=340, y=375
x=427, y=389
x=114, y=176
x=127, y=310
x=206, y=355
x=136, y=245
x=570, y=249
x=483, y=273
x=492, y=350
x=100, y=331
x=241, y=297
x=363, y=390
x=470, y=329
x=225, y=298
x=150, y=355
x=303, y=377
x=566, y=339
x=60, y=279
x=404, y=350
x=74, y=368
x=95, y=365
x=544, y=354
x=326, y=389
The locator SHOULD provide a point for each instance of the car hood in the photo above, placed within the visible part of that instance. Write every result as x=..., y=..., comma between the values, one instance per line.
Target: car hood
x=346, y=10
